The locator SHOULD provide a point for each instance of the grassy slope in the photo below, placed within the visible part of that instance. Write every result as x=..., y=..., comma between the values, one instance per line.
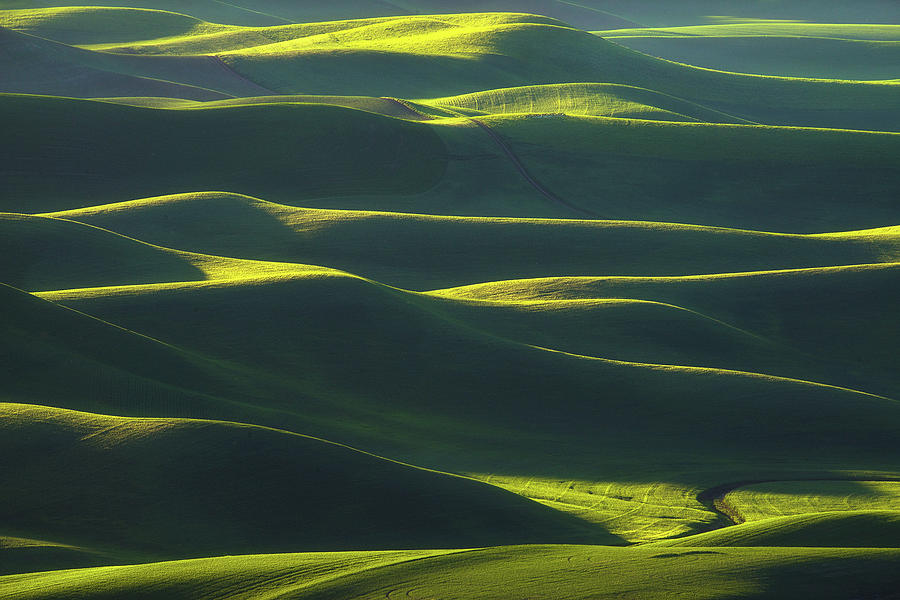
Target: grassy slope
x=728, y=175
x=170, y=488
x=729, y=179
x=835, y=51
x=789, y=307
x=451, y=54
x=775, y=499
x=428, y=252
x=594, y=99
x=288, y=150
x=84, y=25
x=38, y=66
x=460, y=434
x=659, y=13
x=847, y=529
x=103, y=368
x=577, y=572
x=72, y=255
x=277, y=12
x=22, y=555
x=449, y=368
x=382, y=106
x=387, y=56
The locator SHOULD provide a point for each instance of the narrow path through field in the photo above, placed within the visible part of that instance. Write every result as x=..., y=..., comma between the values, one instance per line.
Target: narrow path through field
x=517, y=162
x=234, y=74
x=714, y=498
x=524, y=172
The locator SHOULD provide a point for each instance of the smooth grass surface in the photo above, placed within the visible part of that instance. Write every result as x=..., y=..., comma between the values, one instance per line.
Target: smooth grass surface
x=77, y=256
x=445, y=55
x=764, y=55
x=284, y=150
x=775, y=499
x=329, y=314
x=793, y=49
x=721, y=175
x=602, y=100
x=783, y=306
x=845, y=529
x=429, y=252
x=725, y=175
x=74, y=255
x=536, y=571
x=151, y=489
x=245, y=364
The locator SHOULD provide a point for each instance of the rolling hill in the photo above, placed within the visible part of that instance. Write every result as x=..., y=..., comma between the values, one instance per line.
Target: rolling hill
x=169, y=488
x=729, y=179
x=542, y=571
x=792, y=49
x=410, y=298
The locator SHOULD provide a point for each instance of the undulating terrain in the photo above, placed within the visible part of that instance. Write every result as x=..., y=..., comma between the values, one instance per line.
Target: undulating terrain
x=428, y=299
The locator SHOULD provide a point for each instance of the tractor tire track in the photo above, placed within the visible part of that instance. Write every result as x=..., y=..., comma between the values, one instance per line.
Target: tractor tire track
x=217, y=60
x=514, y=158
x=520, y=167
x=714, y=498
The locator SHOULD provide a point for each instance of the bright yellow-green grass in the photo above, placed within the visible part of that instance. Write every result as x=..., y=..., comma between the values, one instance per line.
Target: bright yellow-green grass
x=841, y=31
x=545, y=572
x=440, y=55
x=481, y=54
x=775, y=499
x=74, y=255
x=82, y=25
x=142, y=376
x=22, y=555
x=427, y=252
x=382, y=106
x=145, y=489
x=564, y=295
x=38, y=66
x=721, y=174
x=713, y=174
x=635, y=319
x=307, y=329
x=836, y=51
x=788, y=307
x=635, y=511
x=844, y=529
x=283, y=150
x=594, y=99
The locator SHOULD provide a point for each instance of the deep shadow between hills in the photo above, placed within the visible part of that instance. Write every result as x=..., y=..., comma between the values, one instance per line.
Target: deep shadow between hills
x=73, y=256
x=746, y=195
x=65, y=153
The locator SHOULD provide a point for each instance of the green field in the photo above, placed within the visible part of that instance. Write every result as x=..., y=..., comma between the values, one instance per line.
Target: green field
x=792, y=49
x=406, y=298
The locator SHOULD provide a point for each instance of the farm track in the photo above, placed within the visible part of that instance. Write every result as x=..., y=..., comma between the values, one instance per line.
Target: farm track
x=232, y=73
x=524, y=171
x=714, y=498
x=514, y=158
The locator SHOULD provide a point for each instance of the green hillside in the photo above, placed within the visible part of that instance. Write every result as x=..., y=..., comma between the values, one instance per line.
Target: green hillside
x=428, y=252
x=194, y=488
x=398, y=156
x=785, y=306
x=792, y=49
x=774, y=499
x=448, y=55
x=507, y=299
x=540, y=571
x=732, y=178
x=329, y=314
x=855, y=529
